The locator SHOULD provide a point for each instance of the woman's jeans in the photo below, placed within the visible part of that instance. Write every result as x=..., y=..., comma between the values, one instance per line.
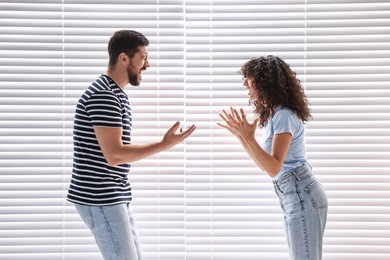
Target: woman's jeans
x=304, y=204
x=114, y=230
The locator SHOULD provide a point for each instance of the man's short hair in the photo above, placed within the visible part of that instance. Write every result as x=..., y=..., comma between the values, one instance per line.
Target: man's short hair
x=126, y=41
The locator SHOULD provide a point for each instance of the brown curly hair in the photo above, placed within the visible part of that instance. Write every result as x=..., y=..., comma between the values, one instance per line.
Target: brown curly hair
x=277, y=85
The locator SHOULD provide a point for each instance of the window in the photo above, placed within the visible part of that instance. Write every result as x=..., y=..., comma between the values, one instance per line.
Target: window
x=203, y=199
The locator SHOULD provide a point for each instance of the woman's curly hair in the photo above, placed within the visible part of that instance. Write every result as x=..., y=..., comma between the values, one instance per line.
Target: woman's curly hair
x=277, y=85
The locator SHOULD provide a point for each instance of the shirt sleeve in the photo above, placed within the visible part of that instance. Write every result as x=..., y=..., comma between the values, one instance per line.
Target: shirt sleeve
x=104, y=109
x=284, y=121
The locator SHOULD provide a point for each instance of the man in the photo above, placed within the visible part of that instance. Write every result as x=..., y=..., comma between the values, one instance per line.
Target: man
x=103, y=151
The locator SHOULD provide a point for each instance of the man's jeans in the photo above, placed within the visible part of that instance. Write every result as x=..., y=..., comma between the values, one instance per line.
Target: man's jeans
x=114, y=230
x=304, y=204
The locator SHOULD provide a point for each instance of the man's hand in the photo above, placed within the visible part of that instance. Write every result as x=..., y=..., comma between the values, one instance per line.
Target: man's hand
x=171, y=137
x=115, y=152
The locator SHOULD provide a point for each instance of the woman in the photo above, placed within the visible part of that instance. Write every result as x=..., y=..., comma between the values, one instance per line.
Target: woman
x=282, y=108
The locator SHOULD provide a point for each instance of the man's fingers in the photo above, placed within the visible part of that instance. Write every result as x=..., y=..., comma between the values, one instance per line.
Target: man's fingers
x=188, y=132
x=174, y=127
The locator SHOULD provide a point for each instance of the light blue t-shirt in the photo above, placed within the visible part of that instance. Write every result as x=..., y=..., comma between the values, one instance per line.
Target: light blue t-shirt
x=286, y=121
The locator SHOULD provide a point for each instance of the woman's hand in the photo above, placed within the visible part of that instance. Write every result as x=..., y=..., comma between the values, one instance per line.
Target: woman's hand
x=237, y=124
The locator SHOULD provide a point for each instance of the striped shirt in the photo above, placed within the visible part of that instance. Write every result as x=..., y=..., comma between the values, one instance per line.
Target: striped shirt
x=94, y=181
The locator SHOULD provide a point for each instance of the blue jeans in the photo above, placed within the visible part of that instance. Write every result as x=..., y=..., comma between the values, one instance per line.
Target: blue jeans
x=114, y=230
x=305, y=205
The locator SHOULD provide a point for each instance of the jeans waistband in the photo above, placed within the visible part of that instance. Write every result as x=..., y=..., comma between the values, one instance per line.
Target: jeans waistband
x=299, y=174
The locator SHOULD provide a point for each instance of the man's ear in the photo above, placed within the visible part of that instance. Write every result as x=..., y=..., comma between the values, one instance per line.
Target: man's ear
x=122, y=58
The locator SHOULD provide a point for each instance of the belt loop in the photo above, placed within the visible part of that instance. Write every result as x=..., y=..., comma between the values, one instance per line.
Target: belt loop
x=296, y=176
x=308, y=164
x=277, y=188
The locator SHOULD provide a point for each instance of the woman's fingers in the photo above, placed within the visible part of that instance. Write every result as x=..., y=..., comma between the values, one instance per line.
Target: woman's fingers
x=235, y=113
x=228, y=118
x=225, y=116
x=235, y=118
x=243, y=115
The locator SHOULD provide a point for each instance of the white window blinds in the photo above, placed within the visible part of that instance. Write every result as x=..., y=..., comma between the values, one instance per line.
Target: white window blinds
x=203, y=199
x=347, y=81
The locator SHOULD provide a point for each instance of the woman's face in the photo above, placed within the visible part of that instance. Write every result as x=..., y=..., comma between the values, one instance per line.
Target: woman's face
x=249, y=84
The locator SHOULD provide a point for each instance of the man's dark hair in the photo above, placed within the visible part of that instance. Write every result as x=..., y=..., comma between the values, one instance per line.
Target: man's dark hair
x=126, y=41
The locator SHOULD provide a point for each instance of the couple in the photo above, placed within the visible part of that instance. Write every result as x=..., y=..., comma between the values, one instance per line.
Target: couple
x=103, y=151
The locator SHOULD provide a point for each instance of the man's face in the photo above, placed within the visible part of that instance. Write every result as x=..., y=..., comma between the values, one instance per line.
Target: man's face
x=137, y=64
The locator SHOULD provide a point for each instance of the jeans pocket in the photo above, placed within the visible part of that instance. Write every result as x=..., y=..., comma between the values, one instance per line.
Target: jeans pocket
x=86, y=215
x=316, y=194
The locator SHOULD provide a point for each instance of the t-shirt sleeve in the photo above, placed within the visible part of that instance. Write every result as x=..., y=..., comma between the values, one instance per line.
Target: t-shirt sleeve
x=104, y=109
x=284, y=122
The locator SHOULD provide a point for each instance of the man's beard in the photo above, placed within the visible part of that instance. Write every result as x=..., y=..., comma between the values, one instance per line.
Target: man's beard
x=133, y=80
x=133, y=77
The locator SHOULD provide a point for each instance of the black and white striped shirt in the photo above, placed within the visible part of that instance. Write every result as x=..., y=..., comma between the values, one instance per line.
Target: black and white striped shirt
x=94, y=181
